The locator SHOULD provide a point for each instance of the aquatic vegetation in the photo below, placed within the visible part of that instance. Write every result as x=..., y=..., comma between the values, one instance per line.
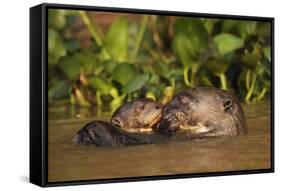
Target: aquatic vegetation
x=133, y=56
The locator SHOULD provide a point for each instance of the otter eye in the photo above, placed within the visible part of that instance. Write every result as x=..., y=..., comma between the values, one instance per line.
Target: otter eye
x=142, y=106
x=183, y=99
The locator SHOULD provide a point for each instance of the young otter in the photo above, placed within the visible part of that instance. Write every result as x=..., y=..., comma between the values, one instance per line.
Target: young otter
x=102, y=133
x=203, y=112
x=105, y=134
x=137, y=116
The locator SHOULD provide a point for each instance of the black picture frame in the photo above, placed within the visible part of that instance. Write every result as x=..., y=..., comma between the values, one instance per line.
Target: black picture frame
x=39, y=94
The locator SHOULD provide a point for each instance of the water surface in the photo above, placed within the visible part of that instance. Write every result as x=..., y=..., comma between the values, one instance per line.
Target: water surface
x=68, y=162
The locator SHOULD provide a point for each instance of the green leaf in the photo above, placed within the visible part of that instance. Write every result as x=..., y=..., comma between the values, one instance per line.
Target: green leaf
x=101, y=85
x=226, y=43
x=56, y=18
x=56, y=47
x=195, y=32
x=162, y=69
x=228, y=24
x=249, y=60
x=267, y=52
x=109, y=66
x=136, y=83
x=72, y=45
x=247, y=28
x=59, y=90
x=70, y=66
x=210, y=24
x=217, y=65
x=264, y=29
x=124, y=73
x=154, y=79
x=183, y=49
x=87, y=59
x=116, y=40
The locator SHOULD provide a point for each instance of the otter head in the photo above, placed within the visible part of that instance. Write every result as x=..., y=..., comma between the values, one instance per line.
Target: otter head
x=203, y=111
x=100, y=133
x=137, y=116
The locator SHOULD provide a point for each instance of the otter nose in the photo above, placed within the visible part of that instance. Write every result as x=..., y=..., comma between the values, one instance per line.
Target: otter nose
x=167, y=111
x=158, y=107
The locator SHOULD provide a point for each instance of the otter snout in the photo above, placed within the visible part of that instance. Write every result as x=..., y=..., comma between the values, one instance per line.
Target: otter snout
x=170, y=121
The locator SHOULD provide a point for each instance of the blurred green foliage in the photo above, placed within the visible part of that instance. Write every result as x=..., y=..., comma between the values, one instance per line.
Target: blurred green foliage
x=154, y=56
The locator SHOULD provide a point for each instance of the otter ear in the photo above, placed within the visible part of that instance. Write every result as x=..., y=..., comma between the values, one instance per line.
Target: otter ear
x=227, y=104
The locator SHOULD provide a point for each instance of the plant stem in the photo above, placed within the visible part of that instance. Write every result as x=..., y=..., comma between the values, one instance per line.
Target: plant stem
x=94, y=34
x=262, y=94
x=140, y=36
x=192, y=80
x=173, y=83
x=185, y=76
x=251, y=90
x=223, y=81
x=248, y=75
x=98, y=98
x=129, y=96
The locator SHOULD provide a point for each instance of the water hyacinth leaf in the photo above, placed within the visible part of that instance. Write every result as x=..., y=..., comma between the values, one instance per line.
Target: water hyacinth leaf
x=70, y=66
x=183, y=48
x=228, y=25
x=264, y=29
x=209, y=25
x=205, y=81
x=56, y=18
x=59, y=90
x=72, y=45
x=160, y=68
x=124, y=73
x=247, y=28
x=101, y=85
x=226, y=43
x=249, y=60
x=56, y=47
x=217, y=65
x=136, y=83
x=195, y=31
x=154, y=79
x=259, y=71
x=109, y=66
x=116, y=40
x=87, y=59
x=267, y=52
x=266, y=83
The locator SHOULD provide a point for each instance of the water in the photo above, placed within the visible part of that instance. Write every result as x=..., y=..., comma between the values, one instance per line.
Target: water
x=68, y=162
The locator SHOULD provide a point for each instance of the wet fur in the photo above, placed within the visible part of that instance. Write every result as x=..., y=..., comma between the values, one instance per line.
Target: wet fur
x=205, y=111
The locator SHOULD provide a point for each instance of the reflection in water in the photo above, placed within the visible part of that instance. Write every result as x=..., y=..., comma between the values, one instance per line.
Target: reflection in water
x=68, y=161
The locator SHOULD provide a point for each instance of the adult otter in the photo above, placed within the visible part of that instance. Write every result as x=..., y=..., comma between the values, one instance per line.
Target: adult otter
x=137, y=116
x=203, y=112
x=102, y=133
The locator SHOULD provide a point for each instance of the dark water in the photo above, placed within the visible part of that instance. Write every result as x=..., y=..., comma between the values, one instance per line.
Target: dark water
x=68, y=161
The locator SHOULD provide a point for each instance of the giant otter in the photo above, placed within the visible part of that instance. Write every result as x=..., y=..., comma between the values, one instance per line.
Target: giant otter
x=127, y=125
x=203, y=112
x=105, y=134
x=137, y=116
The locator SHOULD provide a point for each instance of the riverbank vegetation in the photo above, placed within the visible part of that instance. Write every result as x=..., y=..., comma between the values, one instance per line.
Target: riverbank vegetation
x=105, y=59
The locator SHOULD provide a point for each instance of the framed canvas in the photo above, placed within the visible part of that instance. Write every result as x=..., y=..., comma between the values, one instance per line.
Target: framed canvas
x=129, y=94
